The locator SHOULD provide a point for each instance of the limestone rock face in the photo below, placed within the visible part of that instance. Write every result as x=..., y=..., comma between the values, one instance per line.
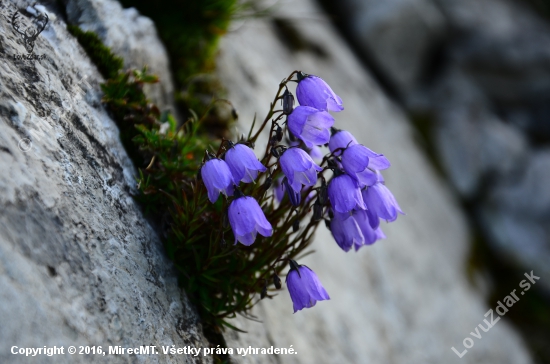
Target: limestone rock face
x=79, y=264
x=405, y=299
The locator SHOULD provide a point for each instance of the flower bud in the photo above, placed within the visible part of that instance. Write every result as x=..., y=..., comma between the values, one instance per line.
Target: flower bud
x=279, y=133
x=317, y=210
x=288, y=102
x=323, y=192
x=277, y=281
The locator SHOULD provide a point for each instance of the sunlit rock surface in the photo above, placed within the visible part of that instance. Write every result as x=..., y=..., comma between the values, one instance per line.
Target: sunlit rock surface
x=79, y=264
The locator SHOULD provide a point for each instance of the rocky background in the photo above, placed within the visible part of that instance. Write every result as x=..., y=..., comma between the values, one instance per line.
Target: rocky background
x=81, y=265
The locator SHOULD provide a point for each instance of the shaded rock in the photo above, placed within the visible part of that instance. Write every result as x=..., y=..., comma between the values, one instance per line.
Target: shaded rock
x=79, y=264
x=399, y=35
x=475, y=146
x=403, y=300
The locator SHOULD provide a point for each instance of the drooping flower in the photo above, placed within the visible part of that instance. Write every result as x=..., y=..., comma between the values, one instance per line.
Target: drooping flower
x=247, y=219
x=354, y=231
x=340, y=139
x=313, y=91
x=344, y=195
x=217, y=178
x=314, y=152
x=299, y=168
x=304, y=287
x=310, y=125
x=380, y=201
x=243, y=163
x=358, y=161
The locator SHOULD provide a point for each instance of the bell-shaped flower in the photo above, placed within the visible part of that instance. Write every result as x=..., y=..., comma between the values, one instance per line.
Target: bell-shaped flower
x=217, y=178
x=354, y=231
x=313, y=91
x=358, y=161
x=314, y=152
x=310, y=125
x=344, y=195
x=243, y=163
x=299, y=168
x=340, y=139
x=247, y=219
x=380, y=201
x=304, y=287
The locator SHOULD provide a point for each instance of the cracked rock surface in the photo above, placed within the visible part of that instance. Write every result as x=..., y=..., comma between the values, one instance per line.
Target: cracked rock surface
x=79, y=264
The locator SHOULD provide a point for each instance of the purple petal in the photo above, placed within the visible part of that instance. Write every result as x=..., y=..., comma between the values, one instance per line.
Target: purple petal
x=381, y=201
x=344, y=194
x=243, y=163
x=310, y=125
x=304, y=288
x=341, y=139
x=217, y=178
x=346, y=232
x=247, y=218
x=368, y=232
x=313, y=91
x=299, y=168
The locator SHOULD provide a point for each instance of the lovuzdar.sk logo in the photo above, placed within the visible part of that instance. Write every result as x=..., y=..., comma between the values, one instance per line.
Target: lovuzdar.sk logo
x=30, y=28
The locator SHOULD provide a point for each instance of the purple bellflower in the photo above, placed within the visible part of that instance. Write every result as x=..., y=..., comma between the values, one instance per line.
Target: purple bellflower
x=354, y=231
x=243, y=163
x=310, y=125
x=247, y=219
x=304, y=287
x=217, y=178
x=299, y=168
x=380, y=201
x=340, y=139
x=313, y=91
x=344, y=195
x=314, y=152
x=357, y=159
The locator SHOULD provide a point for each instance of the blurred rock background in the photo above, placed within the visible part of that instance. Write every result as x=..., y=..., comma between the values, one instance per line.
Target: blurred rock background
x=474, y=79
x=459, y=87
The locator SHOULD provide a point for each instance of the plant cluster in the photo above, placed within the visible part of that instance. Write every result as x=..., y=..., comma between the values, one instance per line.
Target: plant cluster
x=225, y=267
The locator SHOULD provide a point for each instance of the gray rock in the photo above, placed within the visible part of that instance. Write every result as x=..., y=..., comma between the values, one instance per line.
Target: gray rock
x=403, y=300
x=474, y=146
x=131, y=36
x=399, y=35
x=79, y=264
x=516, y=214
x=505, y=47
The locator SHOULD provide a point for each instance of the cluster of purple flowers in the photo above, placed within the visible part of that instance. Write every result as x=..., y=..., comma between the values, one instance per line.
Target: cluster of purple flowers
x=245, y=215
x=352, y=203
